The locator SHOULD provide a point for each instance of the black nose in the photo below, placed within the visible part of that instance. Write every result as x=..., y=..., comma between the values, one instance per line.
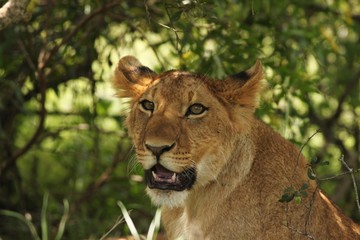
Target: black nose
x=158, y=150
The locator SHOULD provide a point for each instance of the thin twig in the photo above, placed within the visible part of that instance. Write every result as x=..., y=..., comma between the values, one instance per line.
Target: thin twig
x=353, y=180
x=26, y=54
x=143, y=34
x=42, y=115
x=307, y=221
x=300, y=232
x=168, y=27
x=172, y=28
x=301, y=149
x=312, y=201
x=339, y=175
x=147, y=11
x=119, y=221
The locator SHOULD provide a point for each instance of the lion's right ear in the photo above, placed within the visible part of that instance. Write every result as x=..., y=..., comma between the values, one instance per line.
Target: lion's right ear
x=132, y=78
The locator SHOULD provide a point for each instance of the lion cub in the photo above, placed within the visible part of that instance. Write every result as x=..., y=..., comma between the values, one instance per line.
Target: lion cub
x=217, y=171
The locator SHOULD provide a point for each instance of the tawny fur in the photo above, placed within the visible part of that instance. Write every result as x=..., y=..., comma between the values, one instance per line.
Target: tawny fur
x=242, y=165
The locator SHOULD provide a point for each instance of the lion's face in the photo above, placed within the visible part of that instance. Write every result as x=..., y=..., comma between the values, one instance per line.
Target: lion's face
x=182, y=126
x=180, y=131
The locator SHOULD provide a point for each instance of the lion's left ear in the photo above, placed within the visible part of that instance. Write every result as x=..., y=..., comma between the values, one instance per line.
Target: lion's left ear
x=132, y=78
x=243, y=88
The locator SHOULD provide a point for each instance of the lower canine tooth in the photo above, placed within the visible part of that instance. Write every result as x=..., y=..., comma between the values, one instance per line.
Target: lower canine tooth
x=173, y=178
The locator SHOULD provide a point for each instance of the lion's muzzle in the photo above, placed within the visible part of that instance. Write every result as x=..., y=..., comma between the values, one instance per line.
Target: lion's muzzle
x=164, y=179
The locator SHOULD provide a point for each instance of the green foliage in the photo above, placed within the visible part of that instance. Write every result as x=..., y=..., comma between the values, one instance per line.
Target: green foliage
x=44, y=225
x=291, y=194
x=62, y=131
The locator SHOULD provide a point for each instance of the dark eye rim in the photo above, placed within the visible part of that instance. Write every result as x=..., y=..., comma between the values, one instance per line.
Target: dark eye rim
x=145, y=107
x=190, y=112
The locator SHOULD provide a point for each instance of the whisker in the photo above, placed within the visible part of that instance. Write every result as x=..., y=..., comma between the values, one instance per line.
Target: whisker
x=132, y=164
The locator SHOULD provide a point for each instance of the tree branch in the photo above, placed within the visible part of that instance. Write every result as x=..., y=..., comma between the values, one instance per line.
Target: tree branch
x=13, y=11
x=43, y=60
x=96, y=184
x=40, y=127
x=348, y=89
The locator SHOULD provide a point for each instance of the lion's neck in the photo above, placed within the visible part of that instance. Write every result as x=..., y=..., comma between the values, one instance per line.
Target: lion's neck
x=239, y=163
x=237, y=167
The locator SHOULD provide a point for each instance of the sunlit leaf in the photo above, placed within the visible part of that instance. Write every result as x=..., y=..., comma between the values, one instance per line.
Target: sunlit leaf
x=311, y=175
x=297, y=199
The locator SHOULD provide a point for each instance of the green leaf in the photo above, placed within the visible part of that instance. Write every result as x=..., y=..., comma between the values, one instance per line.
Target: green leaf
x=304, y=186
x=286, y=198
x=311, y=174
x=44, y=227
x=304, y=194
x=297, y=199
x=63, y=221
x=314, y=160
x=22, y=218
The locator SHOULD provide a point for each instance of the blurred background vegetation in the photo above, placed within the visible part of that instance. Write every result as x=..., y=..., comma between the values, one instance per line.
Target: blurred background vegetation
x=61, y=129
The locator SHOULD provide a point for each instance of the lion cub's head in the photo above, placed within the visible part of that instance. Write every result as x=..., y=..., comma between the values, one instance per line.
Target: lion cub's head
x=184, y=125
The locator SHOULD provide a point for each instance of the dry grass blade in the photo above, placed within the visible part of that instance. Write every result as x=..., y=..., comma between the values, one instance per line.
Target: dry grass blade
x=129, y=222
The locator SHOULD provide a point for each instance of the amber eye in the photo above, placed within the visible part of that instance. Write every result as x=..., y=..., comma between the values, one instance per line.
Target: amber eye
x=196, y=109
x=147, y=105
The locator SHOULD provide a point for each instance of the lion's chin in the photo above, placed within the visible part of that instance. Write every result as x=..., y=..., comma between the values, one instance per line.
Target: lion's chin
x=167, y=198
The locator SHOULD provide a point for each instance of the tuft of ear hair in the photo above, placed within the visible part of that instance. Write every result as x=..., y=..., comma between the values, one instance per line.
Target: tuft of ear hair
x=244, y=88
x=131, y=78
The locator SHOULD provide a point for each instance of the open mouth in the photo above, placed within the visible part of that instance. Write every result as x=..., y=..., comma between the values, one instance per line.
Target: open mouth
x=161, y=178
